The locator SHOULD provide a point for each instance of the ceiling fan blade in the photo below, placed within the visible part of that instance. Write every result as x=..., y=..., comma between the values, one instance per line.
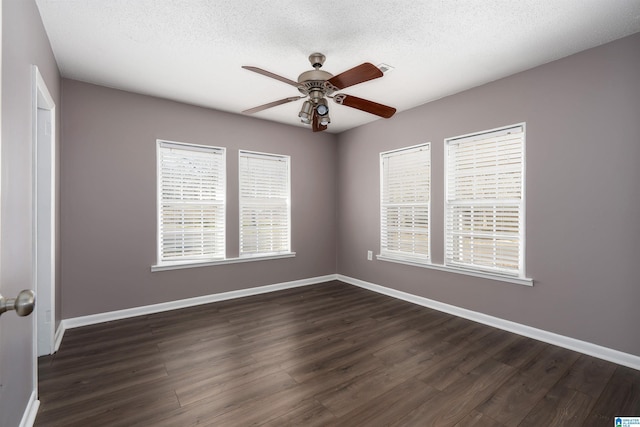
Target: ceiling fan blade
x=270, y=74
x=272, y=104
x=316, y=126
x=365, y=105
x=361, y=73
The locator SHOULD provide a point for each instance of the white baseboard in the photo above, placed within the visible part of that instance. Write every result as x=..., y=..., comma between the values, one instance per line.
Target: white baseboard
x=584, y=347
x=611, y=355
x=30, y=412
x=57, y=339
x=76, y=322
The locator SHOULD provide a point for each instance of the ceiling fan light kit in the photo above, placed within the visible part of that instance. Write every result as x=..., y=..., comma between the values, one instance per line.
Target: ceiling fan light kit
x=317, y=85
x=321, y=107
x=306, y=112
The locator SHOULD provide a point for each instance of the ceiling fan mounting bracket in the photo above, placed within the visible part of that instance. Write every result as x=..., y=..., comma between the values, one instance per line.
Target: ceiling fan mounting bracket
x=317, y=59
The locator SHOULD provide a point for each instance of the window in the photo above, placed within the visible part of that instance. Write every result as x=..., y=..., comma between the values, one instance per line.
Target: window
x=265, y=220
x=405, y=196
x=191, y=202
x=484, y=202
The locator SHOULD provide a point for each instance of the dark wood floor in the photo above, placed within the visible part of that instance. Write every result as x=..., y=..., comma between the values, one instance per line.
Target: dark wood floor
x=329, y=354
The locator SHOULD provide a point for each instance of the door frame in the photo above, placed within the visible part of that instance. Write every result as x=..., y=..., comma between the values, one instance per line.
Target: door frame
x=44, y=217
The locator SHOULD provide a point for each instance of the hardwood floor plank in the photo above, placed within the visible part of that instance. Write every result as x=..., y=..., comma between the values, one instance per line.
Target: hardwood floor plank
x=521, y=351
x=94, y=384
x=620, y=397
x=589, y=376
x=120, y=407
x=343, y=374
x=209, y=386
x=498, y=340
x=308, y=413
x=517, y=396
x=263, y=410
x=360, y=390
x=464, y=358
x=218, y=372
x=238, y=398
x=454, y=403
x=390, y=313
x=288, y=357
x=423, y=343
x=471, y=331
x=203, y=353
x=376, y=336
x=390, y=406
x=307, y=370
x=560, y=407
x=478, y=419
x=68, y=366
x=341, y=399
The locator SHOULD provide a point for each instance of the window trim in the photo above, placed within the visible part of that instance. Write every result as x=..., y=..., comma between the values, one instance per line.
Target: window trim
x=208, y=263
x=521, y=274
x=262, y=255
x=404, y=256
x=526, y=281
x=194, y=147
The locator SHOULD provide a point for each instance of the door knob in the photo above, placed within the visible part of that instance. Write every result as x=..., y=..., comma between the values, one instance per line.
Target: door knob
x=23, y=304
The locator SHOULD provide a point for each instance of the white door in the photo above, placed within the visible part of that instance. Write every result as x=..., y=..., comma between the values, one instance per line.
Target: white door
x=44, y=213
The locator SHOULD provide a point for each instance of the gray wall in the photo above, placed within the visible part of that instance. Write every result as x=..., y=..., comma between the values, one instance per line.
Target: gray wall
x=24, y=43
x=583, y=195
x=108, y=181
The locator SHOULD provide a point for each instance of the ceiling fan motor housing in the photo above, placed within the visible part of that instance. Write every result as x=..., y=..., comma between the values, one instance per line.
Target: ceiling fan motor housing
x=313, y=83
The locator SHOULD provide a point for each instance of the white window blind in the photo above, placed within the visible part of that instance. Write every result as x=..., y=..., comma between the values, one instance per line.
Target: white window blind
x=485, y=201
x=405, y=196
x=191, y=202
x=265, y=220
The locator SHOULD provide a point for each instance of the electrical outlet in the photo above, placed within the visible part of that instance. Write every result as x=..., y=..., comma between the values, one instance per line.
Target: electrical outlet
x=369, y=255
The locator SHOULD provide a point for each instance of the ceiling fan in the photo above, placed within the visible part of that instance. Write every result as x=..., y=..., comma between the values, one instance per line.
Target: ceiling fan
x=317, y=85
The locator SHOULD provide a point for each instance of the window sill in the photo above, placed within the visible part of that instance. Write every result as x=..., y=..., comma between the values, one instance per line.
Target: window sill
x=208, y=263
x=525, y=281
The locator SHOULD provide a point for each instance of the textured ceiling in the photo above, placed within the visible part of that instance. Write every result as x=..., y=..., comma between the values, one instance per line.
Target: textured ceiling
x=192, y=50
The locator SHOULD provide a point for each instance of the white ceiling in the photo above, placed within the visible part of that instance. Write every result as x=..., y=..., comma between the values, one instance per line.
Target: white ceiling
x=192, y=50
